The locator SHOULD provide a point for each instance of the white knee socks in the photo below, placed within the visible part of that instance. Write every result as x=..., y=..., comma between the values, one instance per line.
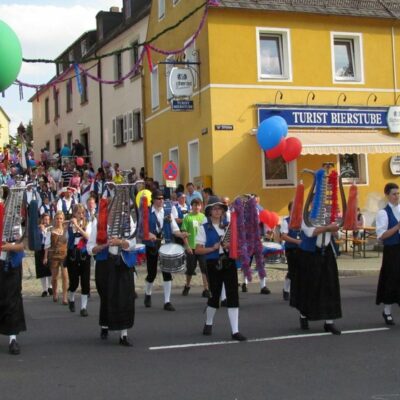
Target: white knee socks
x=167, y=291
x=210, y=312
x=84, y=301
x=148, y=288
x=233, y=314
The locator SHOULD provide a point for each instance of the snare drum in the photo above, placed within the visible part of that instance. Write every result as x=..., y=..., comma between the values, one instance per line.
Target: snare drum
x=172, y=257
x=140, y=251
x=272, y=252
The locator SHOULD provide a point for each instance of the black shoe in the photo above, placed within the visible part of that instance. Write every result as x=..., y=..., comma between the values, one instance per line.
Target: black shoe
x=388, y=319
x=207, y=330
x=332, y=329
x=265, y=290
x=44, y=294
x=147, y=300
x=50, y=291
x=14, y=348
x=224, y=303
x=84, y=312
x=169, y=307
x=104, y=333
x=244, y=288
x=125, y=342
x=71, y=305
x=304, y=324
x=239, y=337
x=285, y=295
x=206, y=293
x=185, y=290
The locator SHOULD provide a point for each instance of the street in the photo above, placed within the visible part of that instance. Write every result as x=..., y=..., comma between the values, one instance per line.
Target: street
x=63, y=357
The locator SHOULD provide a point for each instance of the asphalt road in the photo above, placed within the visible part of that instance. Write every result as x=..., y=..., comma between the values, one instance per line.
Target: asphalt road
x=63, y=357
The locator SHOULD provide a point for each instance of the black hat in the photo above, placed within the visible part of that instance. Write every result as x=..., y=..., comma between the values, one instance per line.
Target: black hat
x=157, y=193
x=214, y=201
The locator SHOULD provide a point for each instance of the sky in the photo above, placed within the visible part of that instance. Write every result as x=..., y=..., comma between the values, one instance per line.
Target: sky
x=45, y=29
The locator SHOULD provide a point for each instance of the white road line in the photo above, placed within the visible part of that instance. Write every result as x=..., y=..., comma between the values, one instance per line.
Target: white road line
x=276, y=338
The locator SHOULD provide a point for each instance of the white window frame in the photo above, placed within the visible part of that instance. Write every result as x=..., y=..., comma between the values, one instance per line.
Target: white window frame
x=358, y=62
x=176, y=161
x=363, y=180
x=155, y=88
x=132, y=58
x=137, y=136
x=161, y=9
x=190, y=143
x=157, y=174
x=118, y=137
x=118, y=74
x=291, y=180
x=286, y=51
x=190, y=57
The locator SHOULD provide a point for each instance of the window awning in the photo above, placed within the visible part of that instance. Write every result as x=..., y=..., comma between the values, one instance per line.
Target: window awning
x=345, y=141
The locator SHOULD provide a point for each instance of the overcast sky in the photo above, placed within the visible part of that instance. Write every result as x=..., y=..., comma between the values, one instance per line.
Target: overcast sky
x=45, y=28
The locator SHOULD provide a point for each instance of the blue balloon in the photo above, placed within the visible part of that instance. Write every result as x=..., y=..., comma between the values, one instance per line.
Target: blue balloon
x=271, y=131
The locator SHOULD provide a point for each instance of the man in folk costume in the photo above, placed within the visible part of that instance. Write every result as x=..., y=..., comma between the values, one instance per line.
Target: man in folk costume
x=161, y=226
x=221, y=269
x=114, y=275
x=387, y=230
x=66, y=202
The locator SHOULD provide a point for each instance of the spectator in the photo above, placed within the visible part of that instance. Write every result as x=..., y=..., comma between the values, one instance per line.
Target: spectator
x=79, y=150
x=192, y=194
x=65, y=152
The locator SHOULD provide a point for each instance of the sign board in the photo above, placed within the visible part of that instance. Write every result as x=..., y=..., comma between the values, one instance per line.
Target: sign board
x=181, y=82
x=393, y=119
x=321, y=117
x=170, y=184
x=223, y=127
x=170, y=171
x=182, y=105
x=395, y=165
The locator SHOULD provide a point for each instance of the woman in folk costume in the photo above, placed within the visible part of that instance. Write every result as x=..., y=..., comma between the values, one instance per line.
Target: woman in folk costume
x=55, y=254
x=42, y=270
x=221, y=269
x=78, y=259
x=161, y=225
x=114, y=255
x=387, y=230
x=316, y=282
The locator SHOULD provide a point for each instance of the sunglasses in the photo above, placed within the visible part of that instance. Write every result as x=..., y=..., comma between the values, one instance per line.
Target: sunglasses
x=159, y=198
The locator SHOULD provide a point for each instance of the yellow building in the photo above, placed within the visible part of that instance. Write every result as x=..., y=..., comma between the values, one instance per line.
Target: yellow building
x=331, y=72
x=4, y=128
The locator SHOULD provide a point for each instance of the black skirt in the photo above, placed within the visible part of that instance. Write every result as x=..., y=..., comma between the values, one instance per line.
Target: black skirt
x=315, y=289
x=388, y=291
x=12, y=317
x=42, y=270
x=115, y=285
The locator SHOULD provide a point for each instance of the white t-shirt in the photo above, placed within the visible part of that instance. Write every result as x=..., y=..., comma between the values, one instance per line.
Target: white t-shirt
x=382, y=220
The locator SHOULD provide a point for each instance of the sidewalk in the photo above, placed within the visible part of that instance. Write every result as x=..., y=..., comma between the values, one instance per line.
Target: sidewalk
x=348, y=266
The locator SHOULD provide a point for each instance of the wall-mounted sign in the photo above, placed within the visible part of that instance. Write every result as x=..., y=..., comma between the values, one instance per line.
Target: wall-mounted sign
x=181, y=82
x=182, y=105
x=395, y=165
x=393, y=119
x=223, y=127
x=321, y=117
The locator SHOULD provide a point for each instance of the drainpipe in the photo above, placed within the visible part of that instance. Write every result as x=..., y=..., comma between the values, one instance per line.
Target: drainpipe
x=101, y=114
x=394, y=66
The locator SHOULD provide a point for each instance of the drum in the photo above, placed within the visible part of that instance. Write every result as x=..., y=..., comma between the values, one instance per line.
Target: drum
x=172, y=257
x=272, y=252
x=140, y=251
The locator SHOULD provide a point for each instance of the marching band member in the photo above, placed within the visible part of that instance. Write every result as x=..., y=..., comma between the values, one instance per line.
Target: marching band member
x=161, y=225
x=86, y=187
x=42, y=270
x=387, y=230
x=66, y=202
x=220, y=268
x=114, y=278
x=78, y=259
x=46, y=206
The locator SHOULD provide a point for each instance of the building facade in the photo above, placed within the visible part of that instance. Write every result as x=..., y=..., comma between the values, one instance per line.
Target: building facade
x=4, y=128
x=315, y=65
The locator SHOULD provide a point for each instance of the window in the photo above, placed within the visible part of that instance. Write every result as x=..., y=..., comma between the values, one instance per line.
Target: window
x=120, y=130
x=155, y=98
x=118, y=66
x=57, y=143
x=191, y=55
x=157, y=167
x=69, y=139
x=71, y=57
x=353, y=168
x=278, y=173
x=84, y=94
x=161, y=9
x=347, y=58
x=273, y=54
x=56, y=109
x=137, y=126
x=46, y=111
x=47, y=145
x=135, y=57
x=194, y=160
x=68, y=91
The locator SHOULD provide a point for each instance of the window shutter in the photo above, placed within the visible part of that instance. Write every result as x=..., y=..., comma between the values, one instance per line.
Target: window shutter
x=114, y=132
x=130, y=126
x=125, y=126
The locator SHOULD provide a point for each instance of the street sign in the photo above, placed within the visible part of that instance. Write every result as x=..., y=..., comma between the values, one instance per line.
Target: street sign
x=170, y=171
x=182, y=105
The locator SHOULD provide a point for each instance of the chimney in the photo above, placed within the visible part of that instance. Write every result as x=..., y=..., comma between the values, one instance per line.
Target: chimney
x=114, y=9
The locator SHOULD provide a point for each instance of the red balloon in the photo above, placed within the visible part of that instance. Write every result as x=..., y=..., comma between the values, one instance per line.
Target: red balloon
x=79, y=161
x=277, y=150
x=274, y=219
x=264, y=216
x=292, y=150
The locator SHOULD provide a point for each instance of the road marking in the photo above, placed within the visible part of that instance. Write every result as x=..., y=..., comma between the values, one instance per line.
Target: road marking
x=270, y=339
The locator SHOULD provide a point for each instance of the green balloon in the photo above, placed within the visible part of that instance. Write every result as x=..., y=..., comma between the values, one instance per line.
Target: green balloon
x=10, y=56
